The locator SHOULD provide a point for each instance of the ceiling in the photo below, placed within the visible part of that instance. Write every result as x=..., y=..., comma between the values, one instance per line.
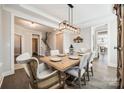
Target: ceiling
x=32, y=25
x=52, y=14
x=81, y=12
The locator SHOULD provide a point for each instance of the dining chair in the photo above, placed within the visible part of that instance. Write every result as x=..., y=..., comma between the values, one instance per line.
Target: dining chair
x=54, y=52
x=83, y=50
x=90, y=64
x=79, y=71
x=39, y=74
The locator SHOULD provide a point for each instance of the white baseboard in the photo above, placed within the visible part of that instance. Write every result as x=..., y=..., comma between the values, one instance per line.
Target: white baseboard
x=17, y=66
x=8, y=73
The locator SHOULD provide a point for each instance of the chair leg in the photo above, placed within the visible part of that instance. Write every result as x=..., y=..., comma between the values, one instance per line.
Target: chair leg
x=88, y=75
x=80, y=86
x=84, y=79
x=92, y=70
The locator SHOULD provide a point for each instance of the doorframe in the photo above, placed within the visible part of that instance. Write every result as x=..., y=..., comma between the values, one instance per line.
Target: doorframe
x=93, y=32
x=21, y=41
x=39, y=42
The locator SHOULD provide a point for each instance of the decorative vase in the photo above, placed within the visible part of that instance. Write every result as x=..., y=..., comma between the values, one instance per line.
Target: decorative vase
x=71, y=50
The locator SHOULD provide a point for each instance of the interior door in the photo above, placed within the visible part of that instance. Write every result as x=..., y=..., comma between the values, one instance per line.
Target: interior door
x=17, y=45
x=120, y=44
x=35, y=46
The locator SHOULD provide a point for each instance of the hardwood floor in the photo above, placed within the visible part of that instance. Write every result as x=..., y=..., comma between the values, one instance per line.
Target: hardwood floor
x=17, y=81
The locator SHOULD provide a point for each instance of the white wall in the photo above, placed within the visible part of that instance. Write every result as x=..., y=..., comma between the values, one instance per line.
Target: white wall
x=6, y=42
x=67, y=40
x=52, y=40
x=112, y=35
x=86, y=35
x=27, y=38
x=112, y=39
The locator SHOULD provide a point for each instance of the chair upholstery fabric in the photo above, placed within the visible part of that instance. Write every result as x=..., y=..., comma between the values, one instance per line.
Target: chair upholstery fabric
x=90, y=65
x=43, y=71
x=74, y=71
x=92, y=56
x=84, y=60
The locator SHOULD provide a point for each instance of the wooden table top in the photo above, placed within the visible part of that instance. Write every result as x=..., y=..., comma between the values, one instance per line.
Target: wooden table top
x=62, y=65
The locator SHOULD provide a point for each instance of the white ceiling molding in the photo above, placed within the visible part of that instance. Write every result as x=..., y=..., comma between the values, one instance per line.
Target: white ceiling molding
x=40, y=12
x=18, y=11
x=98, y=21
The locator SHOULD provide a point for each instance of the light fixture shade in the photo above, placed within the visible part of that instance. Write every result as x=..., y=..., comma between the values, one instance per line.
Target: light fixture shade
x=78, y=39
x=65, y=25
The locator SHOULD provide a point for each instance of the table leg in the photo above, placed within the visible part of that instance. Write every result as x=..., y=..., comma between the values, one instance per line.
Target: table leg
x=62, y=77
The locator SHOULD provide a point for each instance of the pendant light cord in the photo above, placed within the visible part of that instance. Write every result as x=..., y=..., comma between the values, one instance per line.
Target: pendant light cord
x=70, y=13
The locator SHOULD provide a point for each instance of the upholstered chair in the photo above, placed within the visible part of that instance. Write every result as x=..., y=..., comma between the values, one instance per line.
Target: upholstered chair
x=40, y=75
x=90, y=64
x=83, y=50
x=54, y=52
x=79, y=71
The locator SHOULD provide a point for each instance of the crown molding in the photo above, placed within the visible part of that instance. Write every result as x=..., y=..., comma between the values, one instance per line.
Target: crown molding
x=97, y=21
x=40, y=12
x=22, y=12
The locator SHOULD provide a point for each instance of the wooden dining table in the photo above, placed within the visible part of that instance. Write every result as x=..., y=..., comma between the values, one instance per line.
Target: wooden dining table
x=61, y=66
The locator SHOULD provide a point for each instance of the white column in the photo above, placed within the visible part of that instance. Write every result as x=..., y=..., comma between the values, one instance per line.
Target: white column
x=7, y=42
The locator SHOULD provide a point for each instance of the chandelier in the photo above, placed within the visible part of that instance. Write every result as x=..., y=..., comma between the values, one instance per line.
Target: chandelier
x=65, y=25
x=68, y=25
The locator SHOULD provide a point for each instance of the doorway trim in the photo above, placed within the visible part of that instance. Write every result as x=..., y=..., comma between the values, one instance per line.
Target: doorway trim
x=21, y=40
x=93, y=37
x=39, y=42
